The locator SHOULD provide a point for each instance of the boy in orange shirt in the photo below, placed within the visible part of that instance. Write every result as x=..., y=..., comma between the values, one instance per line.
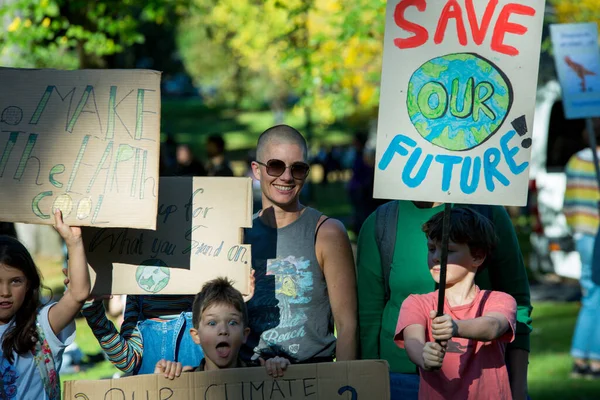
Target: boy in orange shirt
x=471, y=337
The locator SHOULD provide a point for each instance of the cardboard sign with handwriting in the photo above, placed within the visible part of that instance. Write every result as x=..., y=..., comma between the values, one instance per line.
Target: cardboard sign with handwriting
x=198, y=238
x=86, y=142
x=344, y=380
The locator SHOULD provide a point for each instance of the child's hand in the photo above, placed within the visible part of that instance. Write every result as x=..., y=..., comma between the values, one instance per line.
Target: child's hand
x=275, y=366
x=442, y=328
x=70, y=234
x=252, y=286
x=433, y=355
x=170, y=369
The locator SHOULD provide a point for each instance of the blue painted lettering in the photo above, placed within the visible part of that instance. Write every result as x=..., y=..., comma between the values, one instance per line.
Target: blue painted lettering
x=395, y=147
x=410, y=165
x=448, y=162
x=465, y=187
x=491, y=159
x=509, y=154
x=471, y=167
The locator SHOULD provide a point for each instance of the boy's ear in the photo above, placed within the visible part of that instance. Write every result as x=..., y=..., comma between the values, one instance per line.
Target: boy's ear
x=246, y=333
x=195, y=336
x=478, y=258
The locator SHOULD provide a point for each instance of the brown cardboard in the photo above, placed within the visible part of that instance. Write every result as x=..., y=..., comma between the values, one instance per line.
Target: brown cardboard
x=198, y=236
x=350, y=380
x=84, y=141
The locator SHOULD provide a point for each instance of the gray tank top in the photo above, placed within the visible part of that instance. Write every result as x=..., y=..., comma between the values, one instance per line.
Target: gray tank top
x=290, y=314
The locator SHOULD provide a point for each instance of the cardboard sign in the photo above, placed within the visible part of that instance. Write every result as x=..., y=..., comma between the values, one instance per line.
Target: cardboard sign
x=457, y=98
x=577, y=61
x=354, y=380
x=84, y=141
x=198, y=236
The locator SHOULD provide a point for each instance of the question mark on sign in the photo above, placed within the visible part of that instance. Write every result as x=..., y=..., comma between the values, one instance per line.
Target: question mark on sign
x=348, y=389
x=81, y=396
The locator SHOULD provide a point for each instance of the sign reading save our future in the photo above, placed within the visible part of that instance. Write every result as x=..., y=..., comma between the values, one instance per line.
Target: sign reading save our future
x=457, y=99
x=86, y=142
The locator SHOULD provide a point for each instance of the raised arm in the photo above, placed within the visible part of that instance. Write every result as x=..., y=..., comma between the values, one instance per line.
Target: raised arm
x=335, y=257
x=123, y=349
x=78, y=290
x=371, y=291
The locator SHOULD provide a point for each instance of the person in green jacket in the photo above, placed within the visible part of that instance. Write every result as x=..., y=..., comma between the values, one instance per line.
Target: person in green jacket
x=504, y=271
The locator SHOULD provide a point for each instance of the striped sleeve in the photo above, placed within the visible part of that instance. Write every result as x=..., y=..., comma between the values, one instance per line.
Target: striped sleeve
x=580, y=204
x=124, y=349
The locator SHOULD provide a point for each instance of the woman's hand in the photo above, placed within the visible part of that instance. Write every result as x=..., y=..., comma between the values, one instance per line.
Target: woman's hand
x=252, y=286
x=275, y=366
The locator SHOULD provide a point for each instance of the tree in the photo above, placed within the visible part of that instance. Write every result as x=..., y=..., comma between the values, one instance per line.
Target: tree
x=300, y=48
x=569, y=11
x=77, y=33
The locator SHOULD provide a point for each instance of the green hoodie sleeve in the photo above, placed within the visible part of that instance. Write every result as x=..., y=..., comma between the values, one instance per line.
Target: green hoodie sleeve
x=508, y=274
x=371, y=291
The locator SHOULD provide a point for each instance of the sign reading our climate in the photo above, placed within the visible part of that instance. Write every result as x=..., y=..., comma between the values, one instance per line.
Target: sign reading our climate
x=457, y=100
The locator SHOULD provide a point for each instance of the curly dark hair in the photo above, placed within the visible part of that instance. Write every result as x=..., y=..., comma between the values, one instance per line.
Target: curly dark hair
x=22, y=336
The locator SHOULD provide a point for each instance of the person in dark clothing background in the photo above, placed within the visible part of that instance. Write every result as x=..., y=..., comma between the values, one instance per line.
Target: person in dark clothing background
x=217, y=165
x=360, y=186
x=187, y=164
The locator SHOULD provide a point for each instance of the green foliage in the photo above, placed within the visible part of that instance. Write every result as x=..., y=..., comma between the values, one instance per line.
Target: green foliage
x=327, y=53
x=77, y=33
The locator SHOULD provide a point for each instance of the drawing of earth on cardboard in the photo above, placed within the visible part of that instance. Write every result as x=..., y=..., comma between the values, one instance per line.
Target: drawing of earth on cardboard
x=153, y=275
x=458, y=101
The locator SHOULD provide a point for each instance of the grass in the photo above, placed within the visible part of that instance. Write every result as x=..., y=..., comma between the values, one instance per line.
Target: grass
x=89, y=346
x=550, y=363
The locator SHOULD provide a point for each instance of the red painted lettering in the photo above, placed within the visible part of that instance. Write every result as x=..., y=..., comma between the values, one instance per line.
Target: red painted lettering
x=420, y=33
x=479, y=31
x=503, y=26
x=451, y=10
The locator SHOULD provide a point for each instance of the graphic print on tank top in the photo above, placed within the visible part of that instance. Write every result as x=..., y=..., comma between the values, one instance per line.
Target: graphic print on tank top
x=293, y=289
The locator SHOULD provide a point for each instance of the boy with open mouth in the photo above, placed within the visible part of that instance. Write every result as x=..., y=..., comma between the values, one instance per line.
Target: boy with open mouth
x=220, y=322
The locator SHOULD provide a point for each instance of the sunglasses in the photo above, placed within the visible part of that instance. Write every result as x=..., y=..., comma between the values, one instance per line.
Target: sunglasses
x=276, y=168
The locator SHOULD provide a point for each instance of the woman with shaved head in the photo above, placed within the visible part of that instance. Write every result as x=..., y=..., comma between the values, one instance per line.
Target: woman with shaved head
x=304, y=267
